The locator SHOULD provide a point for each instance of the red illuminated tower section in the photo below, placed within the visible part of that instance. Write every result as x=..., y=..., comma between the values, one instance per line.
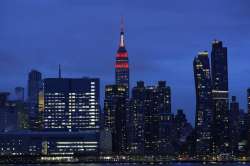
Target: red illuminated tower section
x=122, y=65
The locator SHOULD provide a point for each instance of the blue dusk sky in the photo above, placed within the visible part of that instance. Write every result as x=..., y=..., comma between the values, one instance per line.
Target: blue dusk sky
x=162, y=38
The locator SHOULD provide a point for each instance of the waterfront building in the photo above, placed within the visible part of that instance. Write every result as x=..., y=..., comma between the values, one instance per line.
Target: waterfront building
x=150, y=119
x=34, y=86
x=49, y=143
x=71, y=104
x=183, y=130
x=248, y=120
x=219, y=70
x=204, y=113
x=106, y=142
x=136, y=119
x=115, y=112
x=234, y=125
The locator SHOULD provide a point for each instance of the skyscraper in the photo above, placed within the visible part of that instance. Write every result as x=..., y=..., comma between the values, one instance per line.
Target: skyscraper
x=234, y=125
x=243, y=135
x=136, y=119
x=166, y=118
x=204, y=115
x=8, y=113
x=71, y=104
x=183, y=129
x=122, y=64
x=115, y=112
x=248, y=100
x=4, y=98
x=219, y=72
x=248, y=119
x=34, y=86
x=150, y=119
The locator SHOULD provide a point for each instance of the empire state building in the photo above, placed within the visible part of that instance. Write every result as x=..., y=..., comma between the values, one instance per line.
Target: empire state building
x=122, y=64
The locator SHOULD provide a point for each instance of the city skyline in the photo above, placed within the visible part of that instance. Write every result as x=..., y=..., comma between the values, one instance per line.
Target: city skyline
x=150, y=60
x=191, y=101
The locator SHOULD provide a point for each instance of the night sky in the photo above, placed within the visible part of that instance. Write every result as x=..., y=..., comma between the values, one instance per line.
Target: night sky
x=162, y=38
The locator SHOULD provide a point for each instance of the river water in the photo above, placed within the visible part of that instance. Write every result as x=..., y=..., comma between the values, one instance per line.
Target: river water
x=108, y=164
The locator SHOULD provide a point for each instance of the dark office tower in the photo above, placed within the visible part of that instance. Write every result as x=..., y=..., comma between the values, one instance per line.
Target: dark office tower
x=183, y=129
x=4, y=98
x=151, y=122
x=204, y=116
x=180, y=121
x=71, y=104
x=8, y=113
x=248, y=101
x=243, y=120
x=19, y=91
x=234, y=125
x=220, y=98
x=163, y=100
x=136, y=119
x=115, y=116
x=248, y=111
x=242, y=144
x=34, y=86
x=122, y=64
x=248, y=119
x=150, y=119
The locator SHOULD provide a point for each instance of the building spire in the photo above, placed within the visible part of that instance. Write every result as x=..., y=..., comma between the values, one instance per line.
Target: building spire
x=59, y=72
x=122, y=24
x=122, y=44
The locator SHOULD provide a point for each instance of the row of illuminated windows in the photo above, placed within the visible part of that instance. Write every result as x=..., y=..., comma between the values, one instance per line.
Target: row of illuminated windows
x=47, y=109
x=57, y=94
x=64, y=117
x=54, y=103
x=81, y=105
x=56, y=126
x=61, y=94
x=73, y=117
x=51, y=95
x=92, y=105
x=77, y=146
x=55, y=108
x=70, y=113
x=69, y=118
x=71, y=102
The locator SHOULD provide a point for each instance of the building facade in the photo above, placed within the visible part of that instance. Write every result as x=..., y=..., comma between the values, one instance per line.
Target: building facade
x=8, y=114
x=204, y=113
x=219, y=70
x=183, y=130
x=234, y=125
x=136, y=119
x=122, y=63
x=115, y=112
x=49, y=143
x=150, y=119
x=71, y=104
x=34, y=86
x=248, y=120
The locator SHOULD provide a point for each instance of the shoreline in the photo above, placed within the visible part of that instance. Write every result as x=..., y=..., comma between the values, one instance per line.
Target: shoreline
x=94, y=160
